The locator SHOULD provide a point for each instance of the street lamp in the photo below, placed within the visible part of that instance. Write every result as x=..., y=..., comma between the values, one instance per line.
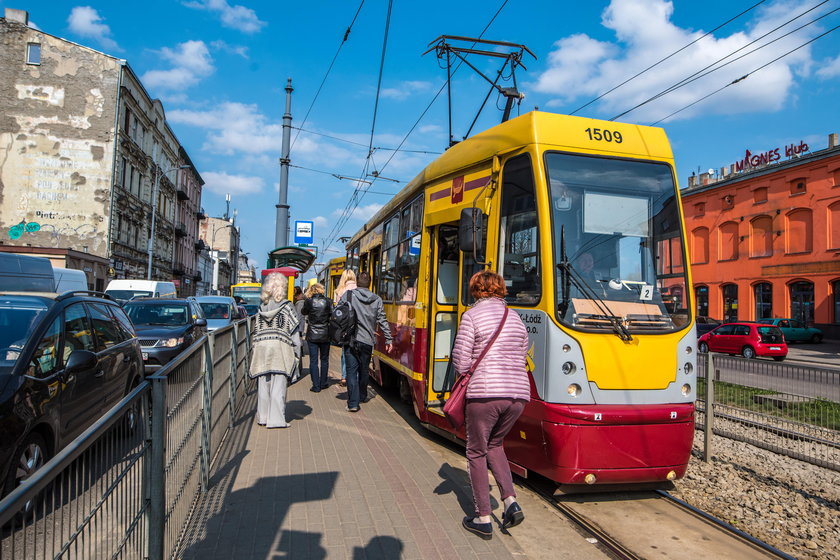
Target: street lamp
x=151, y=246
x=215, y=286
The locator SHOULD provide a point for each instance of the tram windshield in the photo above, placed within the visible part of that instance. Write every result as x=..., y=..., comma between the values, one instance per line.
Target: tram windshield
x=618, y=250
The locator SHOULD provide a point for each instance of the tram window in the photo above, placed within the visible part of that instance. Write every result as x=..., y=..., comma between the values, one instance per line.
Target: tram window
x=519, y=233
x=447, y=267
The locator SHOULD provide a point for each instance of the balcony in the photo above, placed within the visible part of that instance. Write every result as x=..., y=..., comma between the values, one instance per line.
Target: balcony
x=180, y=229
x=178, y=270
x=181, y=193
x=201, y=214
x=200, y=245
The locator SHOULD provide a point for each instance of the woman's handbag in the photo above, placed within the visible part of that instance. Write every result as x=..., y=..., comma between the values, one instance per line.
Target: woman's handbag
x=455, y=407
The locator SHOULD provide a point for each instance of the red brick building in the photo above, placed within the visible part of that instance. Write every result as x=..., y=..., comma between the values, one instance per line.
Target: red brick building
x=764, y=237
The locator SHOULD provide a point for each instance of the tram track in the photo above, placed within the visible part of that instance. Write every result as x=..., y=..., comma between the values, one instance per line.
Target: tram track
x=673, y=523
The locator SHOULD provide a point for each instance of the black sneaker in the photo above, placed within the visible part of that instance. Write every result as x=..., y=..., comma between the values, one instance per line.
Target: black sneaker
x=512, y=516
x=483, y=530
x=315, y=389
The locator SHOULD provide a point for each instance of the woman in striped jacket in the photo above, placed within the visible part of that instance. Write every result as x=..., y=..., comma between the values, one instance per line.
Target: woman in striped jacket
x=496, y=395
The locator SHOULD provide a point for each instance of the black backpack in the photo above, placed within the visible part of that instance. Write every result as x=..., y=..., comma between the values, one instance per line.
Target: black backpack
x=342, y=327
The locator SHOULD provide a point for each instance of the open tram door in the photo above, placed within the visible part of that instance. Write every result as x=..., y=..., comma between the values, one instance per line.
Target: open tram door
x=452, y=269
x=290, y=262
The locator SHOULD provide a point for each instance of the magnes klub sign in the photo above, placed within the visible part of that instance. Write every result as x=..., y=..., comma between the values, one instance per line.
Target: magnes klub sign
x=755, y=160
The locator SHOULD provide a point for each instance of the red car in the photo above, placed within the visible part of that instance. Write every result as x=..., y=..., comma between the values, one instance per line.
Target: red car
x=748, y=339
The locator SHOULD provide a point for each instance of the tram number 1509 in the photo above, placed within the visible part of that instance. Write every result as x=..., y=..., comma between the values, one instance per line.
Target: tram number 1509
x=608, y=135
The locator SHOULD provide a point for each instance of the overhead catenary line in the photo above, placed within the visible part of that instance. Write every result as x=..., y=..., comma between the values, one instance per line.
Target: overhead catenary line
x=703, y=72
x=631, y=78
x=380, y=148
x=747, y=75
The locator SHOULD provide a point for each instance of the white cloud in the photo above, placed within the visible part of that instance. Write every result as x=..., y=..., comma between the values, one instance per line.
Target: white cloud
x=86, y=22
x=232, y=49
x=830, y=69
x=406, y=89
x=191, y=63
x=235, y=127
x=221, y=182
x=236, y=17
x=320, y=221
x=581, y=68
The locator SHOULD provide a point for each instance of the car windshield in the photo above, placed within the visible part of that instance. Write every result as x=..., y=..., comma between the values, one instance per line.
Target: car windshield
x=18, y=318
x=129, y=294
x=158, y=314
x=216, y=310
x=618, y=246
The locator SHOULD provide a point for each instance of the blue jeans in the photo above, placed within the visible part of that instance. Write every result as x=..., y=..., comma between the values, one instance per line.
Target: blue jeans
x=320, y=376
x=358, y=361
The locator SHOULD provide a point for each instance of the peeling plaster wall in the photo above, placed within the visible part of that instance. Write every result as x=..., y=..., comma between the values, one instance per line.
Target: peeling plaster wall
x=56, y=142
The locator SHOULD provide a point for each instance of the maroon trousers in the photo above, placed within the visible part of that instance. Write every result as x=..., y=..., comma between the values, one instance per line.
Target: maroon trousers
x=487, y=423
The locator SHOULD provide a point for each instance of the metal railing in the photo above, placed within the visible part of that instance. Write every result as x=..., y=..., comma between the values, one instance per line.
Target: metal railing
x=127, y=486
x=790, y=409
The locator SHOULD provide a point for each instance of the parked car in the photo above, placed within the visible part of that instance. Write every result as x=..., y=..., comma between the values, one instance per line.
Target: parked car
x=166, y=327
x=64, y=361
x=748, y=339
x=25, y=273
x=705, y=324
x=219, y=310
x=124, y=290
x=796, y=331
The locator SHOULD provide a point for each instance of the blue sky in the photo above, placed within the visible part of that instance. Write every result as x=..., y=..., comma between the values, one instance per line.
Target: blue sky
x=220, y=67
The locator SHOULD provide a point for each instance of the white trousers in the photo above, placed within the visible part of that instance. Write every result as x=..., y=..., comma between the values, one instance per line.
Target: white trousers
x=271, y=400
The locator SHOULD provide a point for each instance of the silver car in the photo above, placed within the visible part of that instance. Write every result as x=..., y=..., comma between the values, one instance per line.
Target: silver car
x=220, y=311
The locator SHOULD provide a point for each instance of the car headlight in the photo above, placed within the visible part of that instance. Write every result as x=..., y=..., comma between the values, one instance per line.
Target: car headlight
x=173, y=342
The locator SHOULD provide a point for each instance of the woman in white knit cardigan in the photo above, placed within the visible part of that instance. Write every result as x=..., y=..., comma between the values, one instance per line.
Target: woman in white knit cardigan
x=275, y=347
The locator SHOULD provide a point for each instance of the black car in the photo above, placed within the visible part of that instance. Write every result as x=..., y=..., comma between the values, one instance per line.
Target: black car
x=166, y=327
x=64, y=361
x=705, y=324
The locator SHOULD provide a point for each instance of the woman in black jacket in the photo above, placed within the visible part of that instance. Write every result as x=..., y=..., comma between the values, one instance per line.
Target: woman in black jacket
x=317, y=309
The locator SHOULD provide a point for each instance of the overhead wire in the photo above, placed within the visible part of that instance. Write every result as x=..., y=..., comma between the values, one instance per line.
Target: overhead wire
x=748, y=74
x=380, y=148
x=655, y=64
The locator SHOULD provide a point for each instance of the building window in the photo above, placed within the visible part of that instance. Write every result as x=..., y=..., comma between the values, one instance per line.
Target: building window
x=730, y=302
x=701, y=296
x=802, y=302
x=761, y=236
x=834, y=226
x=835, y=293
x=760, y=195
x=799, y=231
x=797, y=186
x=33, y=53
x=123, y=172
x=127, y=122
x=763, y=300
x=728, y=246
x=700, y=245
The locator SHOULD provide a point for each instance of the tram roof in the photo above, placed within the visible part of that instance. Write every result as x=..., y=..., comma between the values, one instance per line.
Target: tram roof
x=534, y=127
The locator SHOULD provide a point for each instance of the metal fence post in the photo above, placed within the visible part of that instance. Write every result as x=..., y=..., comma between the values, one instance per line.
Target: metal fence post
x=157, y=469
x=710, y=402
x=207, y=391
x=234, y=362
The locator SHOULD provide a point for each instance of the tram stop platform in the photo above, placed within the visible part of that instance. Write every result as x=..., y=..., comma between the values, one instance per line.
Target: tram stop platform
x=369, y=485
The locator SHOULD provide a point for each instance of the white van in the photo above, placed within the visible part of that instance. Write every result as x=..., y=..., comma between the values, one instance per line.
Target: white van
x=124, y=290
x=69, y=280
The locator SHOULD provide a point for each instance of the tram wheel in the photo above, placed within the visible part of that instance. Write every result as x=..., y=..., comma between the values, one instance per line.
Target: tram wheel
x=405, y=390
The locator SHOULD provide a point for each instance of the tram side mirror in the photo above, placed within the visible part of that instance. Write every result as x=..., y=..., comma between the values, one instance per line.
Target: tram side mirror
x=472, y=232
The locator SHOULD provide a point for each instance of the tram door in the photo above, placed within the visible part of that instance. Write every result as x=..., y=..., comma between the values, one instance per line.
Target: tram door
x=444, y=292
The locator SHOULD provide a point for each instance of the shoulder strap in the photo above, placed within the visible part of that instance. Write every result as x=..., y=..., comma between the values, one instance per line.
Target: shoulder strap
x=490, y=342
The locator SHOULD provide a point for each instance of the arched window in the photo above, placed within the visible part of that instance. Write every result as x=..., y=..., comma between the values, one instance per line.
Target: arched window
x=700, y=245
x=730, y=302
x=800, y=231
x=802, y=301
x=761, y=236
x=728, y=234
x=763, y=300
x=834, y=226
x=835, y=293
x=701, y=296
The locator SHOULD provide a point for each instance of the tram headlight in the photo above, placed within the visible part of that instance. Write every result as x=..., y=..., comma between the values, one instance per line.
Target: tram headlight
x=567, y=348
x=688, y=369
x=568, y=368
x=686, y=390
x=689, y=349
x=573, y=390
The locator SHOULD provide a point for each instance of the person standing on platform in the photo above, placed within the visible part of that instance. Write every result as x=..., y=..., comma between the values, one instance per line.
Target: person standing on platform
x=317, y=309
x=369, y=312
x=275, y=344
x=346, y=282
x=497, y=394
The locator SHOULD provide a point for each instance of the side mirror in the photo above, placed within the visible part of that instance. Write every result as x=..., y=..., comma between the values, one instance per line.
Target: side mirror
x=201, y=322
x=472, y=231
x=80, y=360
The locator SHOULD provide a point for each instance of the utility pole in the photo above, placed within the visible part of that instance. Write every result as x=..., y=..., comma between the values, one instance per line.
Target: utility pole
x=281, y=233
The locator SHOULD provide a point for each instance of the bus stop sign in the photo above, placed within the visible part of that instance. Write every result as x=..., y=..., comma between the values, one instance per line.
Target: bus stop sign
x=303, y=232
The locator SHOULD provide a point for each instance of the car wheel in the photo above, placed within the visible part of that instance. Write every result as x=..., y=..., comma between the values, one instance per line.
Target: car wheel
x=704, y=347
x=779, y=358
x=748, y=352
x=816, y=339
x=28, y=458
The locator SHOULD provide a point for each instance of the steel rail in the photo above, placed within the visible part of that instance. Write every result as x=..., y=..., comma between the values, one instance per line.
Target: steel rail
x=724, y=525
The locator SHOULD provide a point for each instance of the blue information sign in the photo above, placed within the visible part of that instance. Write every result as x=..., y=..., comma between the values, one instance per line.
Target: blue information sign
x=303, y=232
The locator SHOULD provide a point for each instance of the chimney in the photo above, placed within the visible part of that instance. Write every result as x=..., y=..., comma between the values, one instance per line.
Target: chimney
x=832, y=140
x=17, y=16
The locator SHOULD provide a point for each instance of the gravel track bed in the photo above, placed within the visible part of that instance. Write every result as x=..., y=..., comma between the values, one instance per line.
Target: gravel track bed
x=791, y=505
